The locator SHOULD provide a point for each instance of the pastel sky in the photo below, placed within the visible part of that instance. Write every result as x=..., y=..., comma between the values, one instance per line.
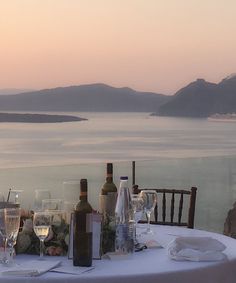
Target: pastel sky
x=151, y=45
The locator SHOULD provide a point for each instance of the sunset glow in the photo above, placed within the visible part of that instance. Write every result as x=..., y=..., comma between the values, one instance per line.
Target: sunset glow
x=151, y=45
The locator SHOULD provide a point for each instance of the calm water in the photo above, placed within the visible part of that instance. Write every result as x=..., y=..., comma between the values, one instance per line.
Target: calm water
x=169, y=152
x=113, y=136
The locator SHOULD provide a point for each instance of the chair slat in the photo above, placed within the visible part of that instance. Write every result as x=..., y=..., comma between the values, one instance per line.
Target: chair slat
x=180, y=207
x=156, y=213
x=191, y=213
x=172, y=209
x=164, y=207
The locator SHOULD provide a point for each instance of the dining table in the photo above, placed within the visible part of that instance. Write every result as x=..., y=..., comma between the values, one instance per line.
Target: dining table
x=151, y=265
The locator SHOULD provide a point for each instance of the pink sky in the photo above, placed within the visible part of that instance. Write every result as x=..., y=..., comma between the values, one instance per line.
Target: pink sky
x=151, y=45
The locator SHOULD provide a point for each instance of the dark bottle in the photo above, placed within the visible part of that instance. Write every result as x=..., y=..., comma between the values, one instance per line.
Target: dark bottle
x=108, y=193
x=107, y=204
x=82, y=238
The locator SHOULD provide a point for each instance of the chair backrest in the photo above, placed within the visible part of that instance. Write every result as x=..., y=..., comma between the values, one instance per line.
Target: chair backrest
x=175, y=212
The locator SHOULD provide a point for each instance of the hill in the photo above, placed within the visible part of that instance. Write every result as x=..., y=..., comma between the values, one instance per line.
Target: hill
x=202, y=99
x=94, y=97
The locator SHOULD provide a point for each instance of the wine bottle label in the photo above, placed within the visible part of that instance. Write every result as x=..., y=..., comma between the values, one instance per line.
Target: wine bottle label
x=89, y=222
x=107, y=203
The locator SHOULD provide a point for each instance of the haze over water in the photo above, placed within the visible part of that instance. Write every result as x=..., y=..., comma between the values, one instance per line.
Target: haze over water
x=113, y=137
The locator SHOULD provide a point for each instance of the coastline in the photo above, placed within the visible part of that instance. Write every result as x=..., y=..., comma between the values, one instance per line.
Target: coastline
x=37, y=118
x=228, y=117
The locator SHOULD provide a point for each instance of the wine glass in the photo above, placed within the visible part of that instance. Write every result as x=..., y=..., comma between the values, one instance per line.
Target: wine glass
x=3, y=232
x=9, y=227
x=149, y=202
x=137, y=204
x=12, y=228
x=40, y=194
x=42, y=224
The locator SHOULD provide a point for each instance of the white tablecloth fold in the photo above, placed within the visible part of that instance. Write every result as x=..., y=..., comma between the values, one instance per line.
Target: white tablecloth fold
x=196, y=249
x=30, y=268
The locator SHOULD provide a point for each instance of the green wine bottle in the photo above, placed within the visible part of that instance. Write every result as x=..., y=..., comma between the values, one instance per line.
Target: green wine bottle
x=107, y=206
x=82, y=237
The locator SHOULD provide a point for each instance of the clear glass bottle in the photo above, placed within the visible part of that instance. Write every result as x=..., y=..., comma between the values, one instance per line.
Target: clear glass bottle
x=107, y=203
x=82, y=238
x=124, y=219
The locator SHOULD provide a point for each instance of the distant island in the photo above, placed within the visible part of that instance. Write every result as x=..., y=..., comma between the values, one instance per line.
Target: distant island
x=37, y=118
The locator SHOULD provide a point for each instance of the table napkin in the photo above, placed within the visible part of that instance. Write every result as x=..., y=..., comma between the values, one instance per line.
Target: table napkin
x=31, y=268
x=196, y=249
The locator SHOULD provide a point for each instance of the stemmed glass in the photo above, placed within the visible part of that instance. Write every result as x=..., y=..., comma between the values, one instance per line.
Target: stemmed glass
x=9, y=228
x=149, y=202
x=3, y=232
x=12, y=229
x=42, y=224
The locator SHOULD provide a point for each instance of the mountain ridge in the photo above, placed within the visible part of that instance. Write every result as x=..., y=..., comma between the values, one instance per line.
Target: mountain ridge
x=92, y=97
x=202, y=99
x=199, y=99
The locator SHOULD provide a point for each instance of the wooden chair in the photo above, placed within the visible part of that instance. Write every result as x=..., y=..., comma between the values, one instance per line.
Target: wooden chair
x=179, y=197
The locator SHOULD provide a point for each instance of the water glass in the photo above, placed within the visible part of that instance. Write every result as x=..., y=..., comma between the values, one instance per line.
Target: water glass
x=71, y=190
x=69, y=207
x=52, y=204
x=14, y=196
x=137, y=204
x=40, y=195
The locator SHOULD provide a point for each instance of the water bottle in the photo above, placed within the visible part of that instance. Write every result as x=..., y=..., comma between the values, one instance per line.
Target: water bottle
x=124, y=242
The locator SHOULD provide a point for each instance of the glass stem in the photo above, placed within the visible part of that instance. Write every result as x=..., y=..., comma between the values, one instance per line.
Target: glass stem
x=41, y=247
x=5, y=250
x=135, y=232
x=148, y=223
x=5, y=244
x=11, y=252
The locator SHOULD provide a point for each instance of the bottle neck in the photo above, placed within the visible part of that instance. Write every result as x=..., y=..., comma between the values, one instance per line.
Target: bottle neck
x=83, y=196
x=109, y=178
x=123, y=184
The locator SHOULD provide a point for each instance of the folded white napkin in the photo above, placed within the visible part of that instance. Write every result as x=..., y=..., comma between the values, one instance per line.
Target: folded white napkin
x=31, y=268
x=196, y=249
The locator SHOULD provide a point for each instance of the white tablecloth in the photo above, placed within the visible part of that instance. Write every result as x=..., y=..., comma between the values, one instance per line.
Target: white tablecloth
x=148, y=266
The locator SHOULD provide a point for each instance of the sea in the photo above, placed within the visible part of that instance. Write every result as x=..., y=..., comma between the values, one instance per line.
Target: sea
x=169, y=152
